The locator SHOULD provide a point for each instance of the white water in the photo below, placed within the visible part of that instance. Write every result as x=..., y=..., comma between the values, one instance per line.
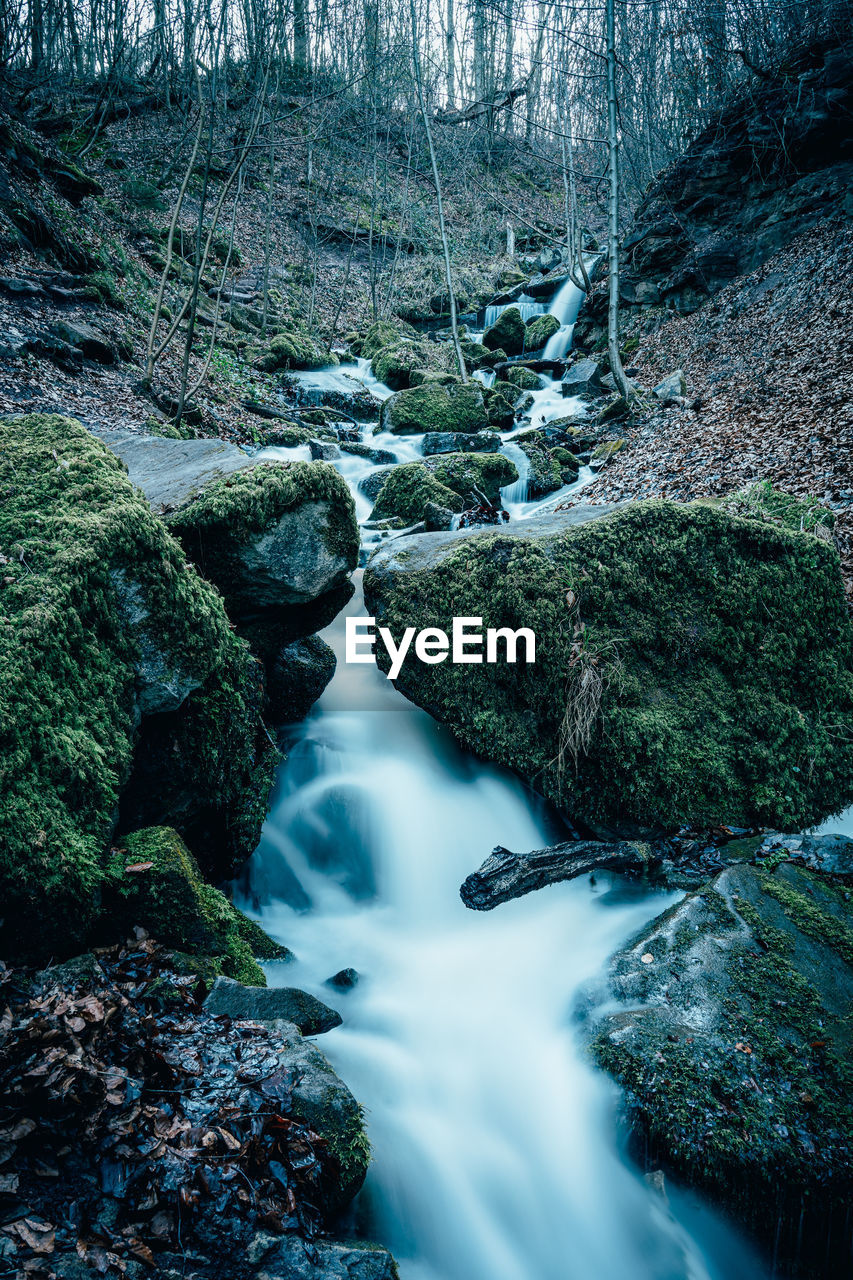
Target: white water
x=528, y=307
x=493, y=1139
x=565, y=308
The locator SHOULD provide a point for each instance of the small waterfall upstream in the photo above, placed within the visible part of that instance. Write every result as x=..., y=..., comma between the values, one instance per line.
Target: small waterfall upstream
x=564, y=307
x=494, y=1139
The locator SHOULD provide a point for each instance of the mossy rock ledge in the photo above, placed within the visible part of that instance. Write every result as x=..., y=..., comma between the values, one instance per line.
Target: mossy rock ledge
x=710, y=655
x=106, y=631
x=733, y=1048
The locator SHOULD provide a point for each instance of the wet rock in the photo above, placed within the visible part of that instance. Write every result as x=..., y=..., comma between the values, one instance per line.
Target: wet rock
x=461, y=442
x=287, y=1259
x=583, y=378
x=380, y=457
x=271, y=1004
x=473, y=476
x=407, y=491
x=734, y=1050
x=508, y=333
x=435, y=408
x=638, y=578
x=523, y=378
x=437, y=518
x=297, y=677
x=830, y=855
x=539, y=331
x=323, y=451
x=344, y=979
x=371, y=484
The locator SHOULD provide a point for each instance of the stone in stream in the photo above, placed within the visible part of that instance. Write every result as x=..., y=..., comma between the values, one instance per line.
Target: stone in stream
x=733, y=1042
x=436, y=518
x=452, y=482
x=432, y=407
x=344, y=979
x=371, y=484
x=296, y=677
x=716, y=655
x=461, y=442
x=271, y=1004
x=286, y=1258
x=507, y=332
x=539, y=330
x=583, y=378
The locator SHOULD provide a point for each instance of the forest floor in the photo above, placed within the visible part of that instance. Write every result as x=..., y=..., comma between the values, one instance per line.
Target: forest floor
x=769, y=368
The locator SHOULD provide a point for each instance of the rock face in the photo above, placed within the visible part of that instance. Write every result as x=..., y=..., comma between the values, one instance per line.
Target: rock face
x=772, y=166
x=270, y=1004
x=734, y=1051
x=432, y=407
x=105, y=625
x=582, y=379
x=297, y=677
x=701, y=654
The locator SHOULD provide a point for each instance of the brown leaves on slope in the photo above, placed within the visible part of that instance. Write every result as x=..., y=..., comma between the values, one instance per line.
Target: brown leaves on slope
x=132, y=1122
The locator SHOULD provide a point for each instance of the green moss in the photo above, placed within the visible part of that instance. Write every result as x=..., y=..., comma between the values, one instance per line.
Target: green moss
x=725, y=648
x=539, y=331
x=294, y=350
x=90, y=581
x=602, y=453
x=104, y=289
x=242, y=505
x=385, y=333
x=523, y=378
x=153, y=880
x=407, y=491
x=762, y=502
x=813, y=919
x=508, y=332
x=466, y=473
x=431, y=407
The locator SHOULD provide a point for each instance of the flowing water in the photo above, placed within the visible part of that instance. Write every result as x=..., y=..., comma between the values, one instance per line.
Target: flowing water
x=494, y=1140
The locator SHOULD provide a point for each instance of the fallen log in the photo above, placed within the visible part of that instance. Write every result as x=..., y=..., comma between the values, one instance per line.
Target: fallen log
x=505, y=875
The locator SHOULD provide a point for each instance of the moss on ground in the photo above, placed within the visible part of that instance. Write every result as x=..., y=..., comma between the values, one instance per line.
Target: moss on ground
x=154, y=881
x=762, y=502
x=73, y=534
x=724, y=650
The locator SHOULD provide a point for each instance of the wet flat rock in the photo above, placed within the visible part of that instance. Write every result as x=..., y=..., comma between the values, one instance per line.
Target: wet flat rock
x=271, y=1004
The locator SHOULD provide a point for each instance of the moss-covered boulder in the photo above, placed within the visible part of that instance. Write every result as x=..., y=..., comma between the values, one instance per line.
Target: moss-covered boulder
x=294, y=349
x=523, y=378
x=735, y=1052
x=104, y=629
x=692, y=666
x=473, y=475
x=431, y=407
x=407, y=491
x=568, y=463
x=153, y=880
x=385, y=333
x=546, y=472
x=478, y=356
x=272, y=535
x=507, y=332
x=539, y=331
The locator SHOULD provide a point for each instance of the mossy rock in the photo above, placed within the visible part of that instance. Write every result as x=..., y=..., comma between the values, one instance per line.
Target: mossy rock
x=603, y=452
x=396, y=365
x=406, y=492
x=722, y=645
x=508, y=332
x=385, y=333
x=272, y=535
x=478, y=356
x=567, y=462
x=294, y=350
x=154, y=881
x=103, y=626
x=546, y=473
x=735, y=1053
x=523, y=378
x=432, y=407
x=418, y=377
x=472, y=474
x=539, y=331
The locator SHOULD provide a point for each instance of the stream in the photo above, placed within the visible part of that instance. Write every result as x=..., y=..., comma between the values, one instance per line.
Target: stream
x=496, y=1155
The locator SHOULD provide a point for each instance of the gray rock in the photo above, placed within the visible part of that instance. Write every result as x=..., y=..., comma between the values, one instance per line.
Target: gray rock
x=582, y=379
x=285, y=1258
x=461, y=442
x=831, y=855
x=271, y=1004
x=323, y=451
x=162, y=680
x=291, y=563
x=297, y=677
x=437, y=518
x=731, y=1037
x=370, y=484
x=673, y=387
x=93, y=344
x=171, y=472
x=344, y=979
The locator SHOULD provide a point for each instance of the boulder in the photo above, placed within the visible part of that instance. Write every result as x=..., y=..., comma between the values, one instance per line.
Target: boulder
x=432, y=408
x=270, y=1004
x=436, y=518
x=461, y=442
x=344, y=979
x=473, y=475
x=84, y=337
x=385, y=333
x=717, y=657
x=297, y=677
x=545, y=471
x=407, y=491
x=395, y=365
x=603, y=452
x=523, y=378
x=539, y=331
x=294, y=349
x=673, y=387
x=371, y=484
x=583, y=378
x=287, y=1258
x=107, y=631
x=507, y=332
x=379, y=457
x=732, y=1041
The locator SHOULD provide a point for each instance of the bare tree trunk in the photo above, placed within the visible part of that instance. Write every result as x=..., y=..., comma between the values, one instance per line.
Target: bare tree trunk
x=613, y=209
x=300, y=36
x=454, y=324
x=450, y=45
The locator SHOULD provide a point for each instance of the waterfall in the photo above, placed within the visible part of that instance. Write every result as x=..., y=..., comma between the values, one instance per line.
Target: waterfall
x=528, y=307
x=564, y=307
x=517, y=491
x=495, y=1156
